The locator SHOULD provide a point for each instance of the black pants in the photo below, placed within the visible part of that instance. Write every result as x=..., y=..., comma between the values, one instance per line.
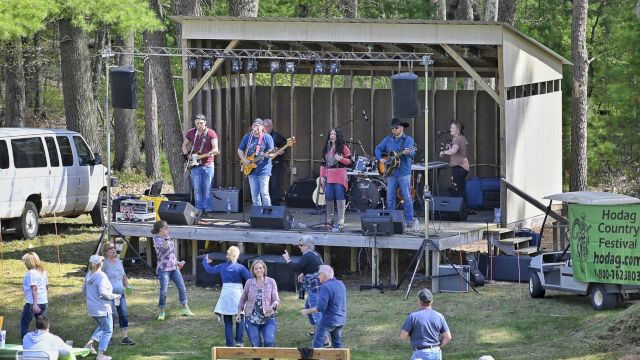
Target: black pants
x=274, y=183
x=458, y=176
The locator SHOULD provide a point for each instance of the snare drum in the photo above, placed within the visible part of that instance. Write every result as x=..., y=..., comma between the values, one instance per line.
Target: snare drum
x=368, y=194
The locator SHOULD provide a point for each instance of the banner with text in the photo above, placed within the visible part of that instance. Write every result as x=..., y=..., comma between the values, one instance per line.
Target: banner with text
x=604, y=243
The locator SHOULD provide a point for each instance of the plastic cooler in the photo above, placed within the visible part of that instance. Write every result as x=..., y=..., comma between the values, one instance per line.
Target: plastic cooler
x=473, y=189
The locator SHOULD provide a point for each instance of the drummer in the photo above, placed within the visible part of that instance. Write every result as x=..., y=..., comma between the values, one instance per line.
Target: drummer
x=333, y=175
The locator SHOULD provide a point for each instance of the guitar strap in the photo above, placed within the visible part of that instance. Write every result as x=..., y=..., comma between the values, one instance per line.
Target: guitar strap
x=259, y=143
x=203, y=139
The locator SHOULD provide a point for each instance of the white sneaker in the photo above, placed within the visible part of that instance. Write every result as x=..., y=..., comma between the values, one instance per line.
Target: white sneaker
x=103, y=357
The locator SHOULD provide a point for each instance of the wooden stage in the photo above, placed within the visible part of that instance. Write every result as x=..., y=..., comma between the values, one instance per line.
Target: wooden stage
x=229, y=227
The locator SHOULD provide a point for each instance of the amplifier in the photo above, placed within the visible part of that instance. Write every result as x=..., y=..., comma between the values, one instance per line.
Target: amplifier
x=135, y=217
x=137, y=206
x=227, y=200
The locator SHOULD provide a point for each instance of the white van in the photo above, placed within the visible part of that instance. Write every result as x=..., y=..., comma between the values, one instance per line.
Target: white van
x=47, y=172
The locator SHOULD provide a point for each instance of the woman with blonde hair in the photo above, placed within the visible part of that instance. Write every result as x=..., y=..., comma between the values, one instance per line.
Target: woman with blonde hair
x=458, y=160
x=35, y=285
x=99, y=295
x=261, y=298
x=232, y=274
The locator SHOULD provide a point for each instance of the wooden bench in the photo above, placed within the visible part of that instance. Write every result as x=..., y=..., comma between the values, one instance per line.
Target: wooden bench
x=220, y=352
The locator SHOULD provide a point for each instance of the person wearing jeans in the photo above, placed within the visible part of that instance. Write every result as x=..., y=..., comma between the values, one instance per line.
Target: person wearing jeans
x=203, y=143
x=168, y=268
x=426, y=328
x=260, y=295
x=35, y=285
x=404, y=183
x=202, y=182
x=99, y=295
x=256, y=150
x=332, y=303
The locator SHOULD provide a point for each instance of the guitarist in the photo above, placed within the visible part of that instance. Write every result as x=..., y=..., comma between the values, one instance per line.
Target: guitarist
x=258, y=143
x=203, y=142
x=399, y=142
x=275, y=182
x=333, y=176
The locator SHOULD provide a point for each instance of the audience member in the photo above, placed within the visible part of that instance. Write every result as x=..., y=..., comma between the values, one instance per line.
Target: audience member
x=42, y=339
x=35, y=286
x=426, y=329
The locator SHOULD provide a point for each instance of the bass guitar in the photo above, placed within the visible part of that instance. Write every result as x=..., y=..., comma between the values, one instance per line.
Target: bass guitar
x=255, y=158
x=390, y=162
x=318, y=193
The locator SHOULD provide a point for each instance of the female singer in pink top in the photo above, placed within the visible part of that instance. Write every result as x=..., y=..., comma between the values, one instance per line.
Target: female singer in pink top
x=333, y=174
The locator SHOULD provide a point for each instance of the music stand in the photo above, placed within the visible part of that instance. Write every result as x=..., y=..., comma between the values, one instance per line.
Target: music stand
x=376, y=225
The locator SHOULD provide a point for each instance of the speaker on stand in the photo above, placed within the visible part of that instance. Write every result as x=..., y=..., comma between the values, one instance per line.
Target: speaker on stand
x=404, y=94
x=123, y=87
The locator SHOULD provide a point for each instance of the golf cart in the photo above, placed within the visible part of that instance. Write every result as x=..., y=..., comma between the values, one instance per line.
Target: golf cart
x=604, y=262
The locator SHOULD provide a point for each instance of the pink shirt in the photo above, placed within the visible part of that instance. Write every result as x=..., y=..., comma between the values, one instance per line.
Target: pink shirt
x=337, y=175
x=269, y=296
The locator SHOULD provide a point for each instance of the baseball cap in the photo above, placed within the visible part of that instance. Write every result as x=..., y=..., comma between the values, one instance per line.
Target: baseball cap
x=257, y=121
x=425, y=296
x=95, y=259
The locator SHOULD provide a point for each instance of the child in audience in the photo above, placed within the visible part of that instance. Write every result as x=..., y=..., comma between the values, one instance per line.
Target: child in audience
x=35, y=286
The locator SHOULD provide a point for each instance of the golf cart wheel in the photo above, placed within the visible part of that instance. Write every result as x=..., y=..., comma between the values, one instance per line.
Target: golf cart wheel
x=535, y=287
x=29, y=222
x=600, y=300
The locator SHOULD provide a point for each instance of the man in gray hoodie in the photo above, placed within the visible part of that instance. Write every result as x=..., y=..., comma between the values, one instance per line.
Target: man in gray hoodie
x=42, y=339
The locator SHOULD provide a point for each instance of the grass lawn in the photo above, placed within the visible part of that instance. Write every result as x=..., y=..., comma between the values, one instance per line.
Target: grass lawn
x=502, y=320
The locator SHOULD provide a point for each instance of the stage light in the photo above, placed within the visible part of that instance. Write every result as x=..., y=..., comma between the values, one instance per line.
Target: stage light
x=252, y=65
x=206, y=64
x=236, y=65
x=274, y=66
x=318, y=67
x=290, y=67
x=334, y=67
x=192, y=63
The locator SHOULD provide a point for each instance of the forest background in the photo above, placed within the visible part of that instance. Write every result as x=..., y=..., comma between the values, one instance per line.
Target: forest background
x=53, y=72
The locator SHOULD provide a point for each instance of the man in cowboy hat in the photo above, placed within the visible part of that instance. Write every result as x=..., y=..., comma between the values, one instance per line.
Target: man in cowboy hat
x=403, y=145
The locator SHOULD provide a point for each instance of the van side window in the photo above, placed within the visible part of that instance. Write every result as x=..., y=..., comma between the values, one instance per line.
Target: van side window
x=4, y=155
x=53, y=151
x=65, y=150
x=84, y=153
x=28, y=153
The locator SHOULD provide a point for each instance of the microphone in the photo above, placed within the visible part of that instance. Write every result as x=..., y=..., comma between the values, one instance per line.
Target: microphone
x=364, y=115
x=442, y=132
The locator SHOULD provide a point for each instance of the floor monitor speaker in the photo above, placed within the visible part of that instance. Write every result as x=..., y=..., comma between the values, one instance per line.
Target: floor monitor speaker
x=449, y=208
x=178, y=213
x=376, y=225
x=397, y=217
x=404, y=94
x=270, y=217
x=123, y=88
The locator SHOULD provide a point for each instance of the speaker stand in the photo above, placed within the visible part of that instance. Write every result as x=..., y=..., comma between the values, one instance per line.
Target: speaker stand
x=375, y=269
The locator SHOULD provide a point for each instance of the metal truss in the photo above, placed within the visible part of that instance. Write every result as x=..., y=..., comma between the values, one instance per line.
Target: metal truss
x=299, y=55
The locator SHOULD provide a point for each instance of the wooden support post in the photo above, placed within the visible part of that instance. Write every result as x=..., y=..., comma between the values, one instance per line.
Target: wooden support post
x=312, y=91
x=471, y=71
x=188, y=96
x=435, y=271
x=241, y=247
x=260, y=249
x=353, y=266
x=393, y=273
x=186, y=82
x=375, y=264
x=503, y=136
x=194, y=257
x=326, y=255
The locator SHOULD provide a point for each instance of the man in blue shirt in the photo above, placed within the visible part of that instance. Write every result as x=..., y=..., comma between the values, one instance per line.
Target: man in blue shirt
x=427, y=329
x=258, y=143
x=402, y=144
x=332, y=303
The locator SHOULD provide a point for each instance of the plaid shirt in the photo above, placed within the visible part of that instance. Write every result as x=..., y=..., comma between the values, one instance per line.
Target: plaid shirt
x=311, y=282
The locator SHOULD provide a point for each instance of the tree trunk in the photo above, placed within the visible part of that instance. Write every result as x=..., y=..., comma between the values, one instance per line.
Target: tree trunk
x=127, y=146
x=349, y=8
x=75, y=69
x=151, y=134
x=507, y=11
x=168, y=114
x=38, y=106
x=490, y=10
x=579, y=56
x=15, y=101
x=246, y=8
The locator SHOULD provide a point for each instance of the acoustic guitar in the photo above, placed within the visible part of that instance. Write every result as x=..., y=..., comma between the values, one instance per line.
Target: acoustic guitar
x=255, y=158
x=318, y=193
x=390, y=162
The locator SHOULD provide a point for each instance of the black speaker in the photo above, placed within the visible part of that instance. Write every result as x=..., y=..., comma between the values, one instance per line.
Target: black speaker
x=280, y=271
x=300, y=193
x=404, y=92
x=376, y=225
x=397, y=217
x=449, y=208
x=123, y=88
x=270, y=217
x=178, y=213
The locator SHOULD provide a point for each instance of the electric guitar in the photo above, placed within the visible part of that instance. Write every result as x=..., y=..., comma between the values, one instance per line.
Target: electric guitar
x=254, y=158
x=318, y=193
x=390, y=162
x=194, y=160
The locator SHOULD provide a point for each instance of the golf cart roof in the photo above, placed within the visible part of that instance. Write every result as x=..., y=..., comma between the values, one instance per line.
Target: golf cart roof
x=593, y=198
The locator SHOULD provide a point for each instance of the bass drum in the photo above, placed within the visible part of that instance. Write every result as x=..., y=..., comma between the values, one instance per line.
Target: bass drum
x=368, y=194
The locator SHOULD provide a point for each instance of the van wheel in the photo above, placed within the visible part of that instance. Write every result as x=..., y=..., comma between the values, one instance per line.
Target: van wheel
x=99, y=212
x=28, y=224
x=600, y=300
x=535, y=287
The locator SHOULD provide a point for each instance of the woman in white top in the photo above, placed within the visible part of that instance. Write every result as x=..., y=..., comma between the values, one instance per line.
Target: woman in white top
x=35, y=286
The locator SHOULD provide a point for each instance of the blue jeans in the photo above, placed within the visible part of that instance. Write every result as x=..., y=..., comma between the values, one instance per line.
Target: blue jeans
x=202, y=182
x=333, y=192
x=312, y=301
x=28, y=315
x=263, y=335
x=321, y=333
x=259, y=186
x=104, y=331
x=404, y=182
x=229, y=320
x=175, y=275
x=427, y=354
x=123, y=312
